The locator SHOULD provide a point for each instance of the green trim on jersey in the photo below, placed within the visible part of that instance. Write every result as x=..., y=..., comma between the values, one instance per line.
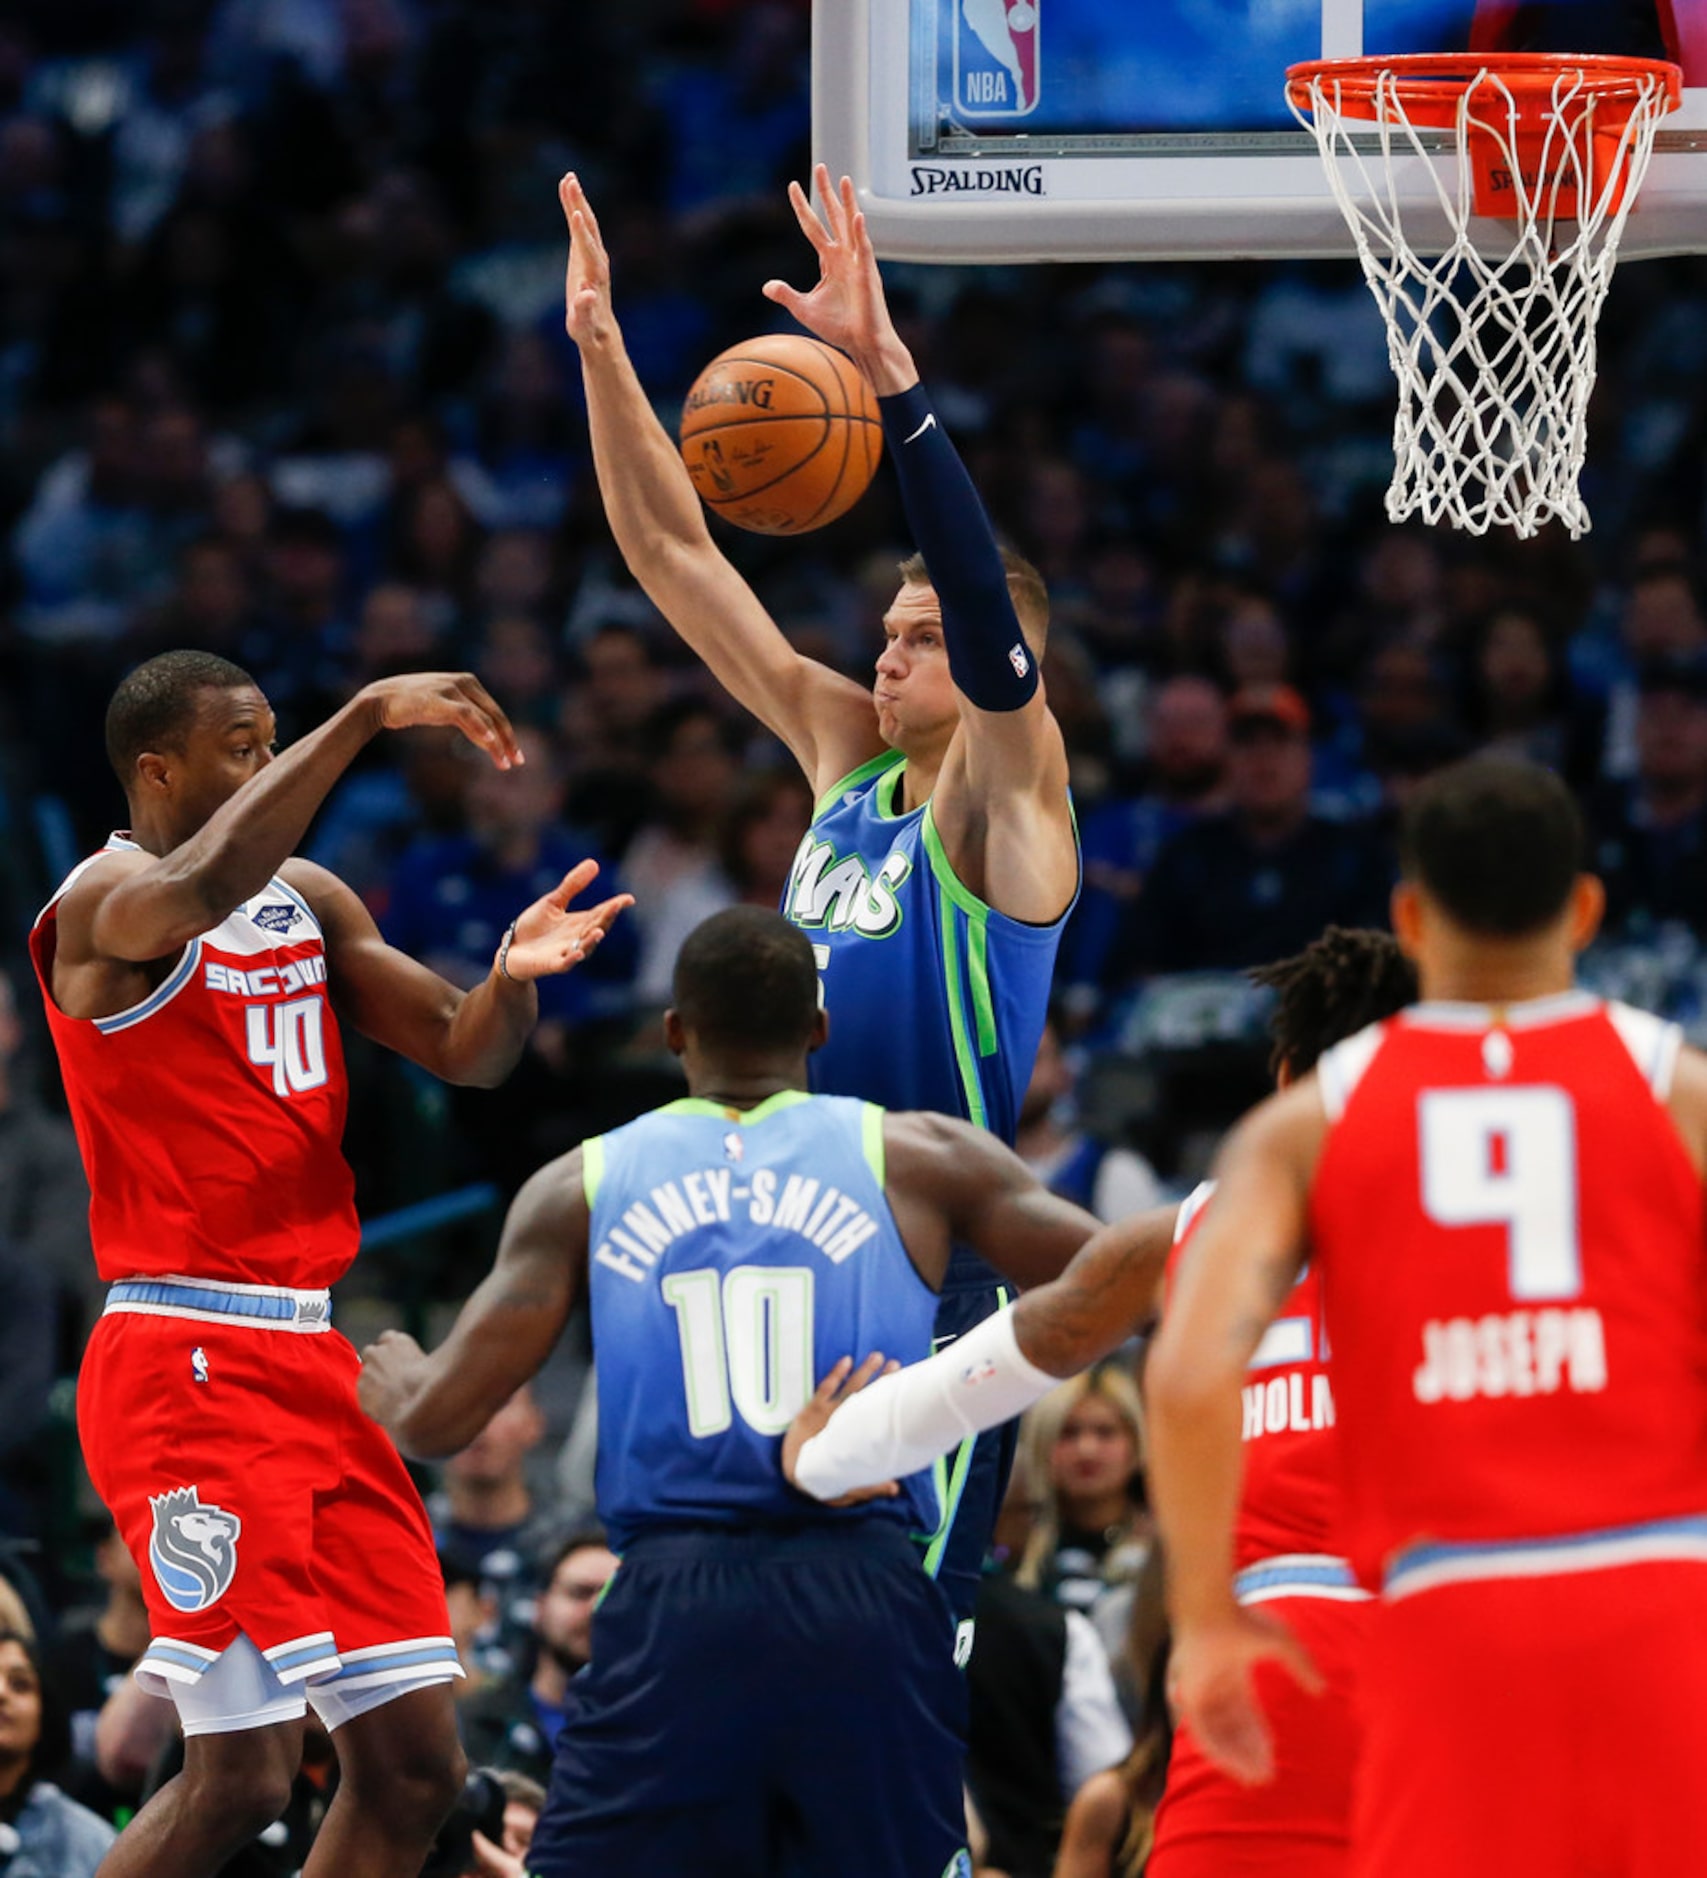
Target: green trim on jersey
x=592, y=1166
x=873, y=766
x=973, y=1088
x=743, y=1118
x=876, y=1155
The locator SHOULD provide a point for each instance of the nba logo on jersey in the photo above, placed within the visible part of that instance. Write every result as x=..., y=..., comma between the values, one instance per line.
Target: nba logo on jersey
x=996, y=64
x=193, y=1549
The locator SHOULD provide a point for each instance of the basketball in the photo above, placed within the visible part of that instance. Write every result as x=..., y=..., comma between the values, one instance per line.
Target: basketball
x=781, y=434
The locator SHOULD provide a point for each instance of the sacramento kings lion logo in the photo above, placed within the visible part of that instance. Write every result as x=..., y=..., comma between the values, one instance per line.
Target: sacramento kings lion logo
x=193, y=1550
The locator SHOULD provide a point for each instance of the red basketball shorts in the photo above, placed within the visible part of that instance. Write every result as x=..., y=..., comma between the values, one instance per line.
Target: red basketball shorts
x=1540, y=1727
x=256, y=1497
x=1297, y=1825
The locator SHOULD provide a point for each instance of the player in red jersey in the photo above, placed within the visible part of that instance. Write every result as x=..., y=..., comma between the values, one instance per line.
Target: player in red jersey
x=188, y=971
x=1503, y=1192
x=1288, y=1558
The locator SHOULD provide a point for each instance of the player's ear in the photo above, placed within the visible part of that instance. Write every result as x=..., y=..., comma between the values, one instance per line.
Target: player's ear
x=1587, y=907
x=820, y=1034
x=675, y=1036
x=1406, y=912
x=153, y=773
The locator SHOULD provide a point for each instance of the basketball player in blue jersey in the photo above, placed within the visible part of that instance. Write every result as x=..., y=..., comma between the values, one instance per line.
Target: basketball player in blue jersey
x=942, y=860
x=773, y=1687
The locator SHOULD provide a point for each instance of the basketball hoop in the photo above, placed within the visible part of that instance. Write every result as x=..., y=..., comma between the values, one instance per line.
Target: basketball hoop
x=1491, y=306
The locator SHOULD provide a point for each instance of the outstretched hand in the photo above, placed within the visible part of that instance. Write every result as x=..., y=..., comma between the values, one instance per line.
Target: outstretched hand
x=842, y=1382
x=1211, y=1689
x=588, y=317
x=455, y=698
x=846, y=308
x=551, y=937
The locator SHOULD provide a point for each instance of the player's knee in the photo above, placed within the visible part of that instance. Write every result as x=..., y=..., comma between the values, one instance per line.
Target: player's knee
x=245, y=1787
x=418, y=1784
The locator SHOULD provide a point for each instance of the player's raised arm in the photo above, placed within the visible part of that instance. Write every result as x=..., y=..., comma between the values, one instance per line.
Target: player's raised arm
x=435, y=1405
x=468, y=1037
x=137, y=906
x=827, y=721
x=1000, y=803
x=1242, y=1263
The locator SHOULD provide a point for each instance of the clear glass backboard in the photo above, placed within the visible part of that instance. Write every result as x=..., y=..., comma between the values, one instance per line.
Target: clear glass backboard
x=990, y=130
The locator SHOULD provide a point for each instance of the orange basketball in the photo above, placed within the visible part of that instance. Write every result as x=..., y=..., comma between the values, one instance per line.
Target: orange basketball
x=781, y=434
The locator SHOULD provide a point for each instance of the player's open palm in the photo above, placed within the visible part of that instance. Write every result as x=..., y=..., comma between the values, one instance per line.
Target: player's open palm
x=846, y=308
x=455, y=698
x=842, y=1382
x=1211, y=1684
x=552, y=936
x=587, y=315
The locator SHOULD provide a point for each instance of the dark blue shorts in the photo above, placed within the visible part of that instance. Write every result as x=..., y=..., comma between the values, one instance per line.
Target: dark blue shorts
x=972, y=1480
x=763, y=1703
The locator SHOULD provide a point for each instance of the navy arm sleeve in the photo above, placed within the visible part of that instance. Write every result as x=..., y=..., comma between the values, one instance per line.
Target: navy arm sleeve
x=987, y=652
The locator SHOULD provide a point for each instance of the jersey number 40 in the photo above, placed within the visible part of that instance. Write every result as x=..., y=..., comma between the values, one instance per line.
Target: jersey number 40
x=746, y=1345
x=288, y=1040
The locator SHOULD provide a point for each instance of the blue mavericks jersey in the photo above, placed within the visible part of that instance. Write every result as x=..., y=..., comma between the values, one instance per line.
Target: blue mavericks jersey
x=736, y=1256
x=936, y=1000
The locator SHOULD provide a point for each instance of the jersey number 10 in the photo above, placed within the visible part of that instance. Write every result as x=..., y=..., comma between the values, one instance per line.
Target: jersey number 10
x=1508, y=1157
x=746, y=1344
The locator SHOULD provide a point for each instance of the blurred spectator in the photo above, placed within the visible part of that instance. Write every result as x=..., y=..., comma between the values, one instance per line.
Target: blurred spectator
x=515, y=1723
x=620, y=689
x=671, y=865
x=1519, y=701
x=306, y=652
x=88, y=1660
x=1186, y=751
x=1044, y=1718
x=453, y=895
x=1648, y=836
x=414, y=789
x=514, y=661
x=474, y=1613
x=1107, y=1180
x=1093, y=1529
x=524, y=1801
x=484, y=1508
x=1262, y=880
x=1662, y=618
x=54, y=1836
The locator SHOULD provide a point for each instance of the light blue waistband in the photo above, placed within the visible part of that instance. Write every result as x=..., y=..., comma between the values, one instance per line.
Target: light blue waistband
x=263, y=1306
x=1298, y=1575
x=1439, y=1562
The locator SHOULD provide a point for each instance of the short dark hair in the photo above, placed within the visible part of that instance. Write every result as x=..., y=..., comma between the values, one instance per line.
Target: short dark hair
x=1338, y=985
x=746, y=980
x=155, y=705
x=577, y=1540
x=1497, y=842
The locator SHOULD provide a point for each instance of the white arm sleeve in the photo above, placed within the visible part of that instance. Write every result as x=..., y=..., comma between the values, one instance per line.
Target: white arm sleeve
x=902, y=1422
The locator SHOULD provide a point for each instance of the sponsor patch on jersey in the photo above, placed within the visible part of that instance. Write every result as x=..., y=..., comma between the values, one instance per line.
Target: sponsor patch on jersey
x=278, y=917
x=193, y=1549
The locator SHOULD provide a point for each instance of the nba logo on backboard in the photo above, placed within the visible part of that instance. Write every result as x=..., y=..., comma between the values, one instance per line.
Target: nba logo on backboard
x=996, y=68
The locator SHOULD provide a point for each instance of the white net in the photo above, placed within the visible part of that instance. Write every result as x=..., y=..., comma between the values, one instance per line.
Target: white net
x=1494, y=351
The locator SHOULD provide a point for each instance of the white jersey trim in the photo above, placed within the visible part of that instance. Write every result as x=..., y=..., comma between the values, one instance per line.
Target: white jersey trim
x=1299, y=1575
x=1652, y=1042
x=1190, y=1207
x=1342, y=1068
x=1527, y=1014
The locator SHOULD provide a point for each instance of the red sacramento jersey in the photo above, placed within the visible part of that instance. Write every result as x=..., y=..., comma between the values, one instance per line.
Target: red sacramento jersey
x=1511, y=1239
x=1289, y=1494
x=211, y=1114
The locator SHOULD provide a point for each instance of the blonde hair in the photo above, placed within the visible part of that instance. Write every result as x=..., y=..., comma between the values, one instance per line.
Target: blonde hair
x=1040, y=1432
x=1025, y=588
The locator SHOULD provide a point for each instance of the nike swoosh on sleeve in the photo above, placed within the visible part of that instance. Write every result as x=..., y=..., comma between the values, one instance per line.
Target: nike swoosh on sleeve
x=930, y=420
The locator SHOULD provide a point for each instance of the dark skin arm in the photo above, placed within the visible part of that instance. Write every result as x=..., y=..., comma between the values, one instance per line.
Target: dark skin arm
x=433, y=1406
x=468, y=1037
x=948, y=1181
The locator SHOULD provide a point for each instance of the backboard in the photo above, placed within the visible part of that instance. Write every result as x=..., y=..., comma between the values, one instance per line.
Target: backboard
x=1072, y=130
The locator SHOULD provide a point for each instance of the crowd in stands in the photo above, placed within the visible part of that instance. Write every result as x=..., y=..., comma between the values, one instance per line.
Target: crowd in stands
x=283, y=376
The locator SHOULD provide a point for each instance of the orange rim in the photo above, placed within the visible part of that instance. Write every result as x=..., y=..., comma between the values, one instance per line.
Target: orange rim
x=1430, y=84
